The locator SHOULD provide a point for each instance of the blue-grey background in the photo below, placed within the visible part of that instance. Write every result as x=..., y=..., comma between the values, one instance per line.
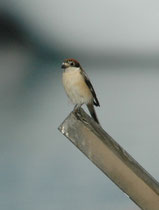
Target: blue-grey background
x=117, y=44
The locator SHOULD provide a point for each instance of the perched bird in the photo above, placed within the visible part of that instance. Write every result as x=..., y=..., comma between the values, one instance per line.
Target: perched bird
x=78, y=87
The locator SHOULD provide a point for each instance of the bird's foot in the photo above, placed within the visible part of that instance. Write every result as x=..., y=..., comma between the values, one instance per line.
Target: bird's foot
x=76, y=111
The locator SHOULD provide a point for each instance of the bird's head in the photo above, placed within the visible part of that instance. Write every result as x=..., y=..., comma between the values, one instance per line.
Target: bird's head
x=70, y=63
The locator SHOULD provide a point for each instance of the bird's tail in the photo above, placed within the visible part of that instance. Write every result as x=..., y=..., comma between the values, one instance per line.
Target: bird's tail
x=92, y=112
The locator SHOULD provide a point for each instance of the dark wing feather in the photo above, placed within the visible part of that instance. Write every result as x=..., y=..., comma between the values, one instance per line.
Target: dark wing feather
x=95, y=100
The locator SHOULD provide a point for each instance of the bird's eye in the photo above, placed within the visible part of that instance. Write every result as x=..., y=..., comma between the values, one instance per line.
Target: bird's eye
x=71, y=63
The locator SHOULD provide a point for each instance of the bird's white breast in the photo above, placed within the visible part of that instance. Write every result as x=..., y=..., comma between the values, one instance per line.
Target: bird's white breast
x=75, y=86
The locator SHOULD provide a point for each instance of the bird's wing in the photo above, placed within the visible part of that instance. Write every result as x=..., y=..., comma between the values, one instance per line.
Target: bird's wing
x=95, y=100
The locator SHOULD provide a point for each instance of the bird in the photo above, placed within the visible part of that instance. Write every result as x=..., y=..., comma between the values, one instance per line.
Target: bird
x=78, y=87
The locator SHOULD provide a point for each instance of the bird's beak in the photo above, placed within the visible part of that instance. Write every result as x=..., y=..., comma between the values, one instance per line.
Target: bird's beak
x=64, y=65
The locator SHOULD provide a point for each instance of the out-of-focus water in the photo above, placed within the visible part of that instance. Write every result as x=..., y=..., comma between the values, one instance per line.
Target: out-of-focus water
x=41, y=169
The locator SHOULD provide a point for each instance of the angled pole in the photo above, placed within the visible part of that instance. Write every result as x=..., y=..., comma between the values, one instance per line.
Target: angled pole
x=112, y=159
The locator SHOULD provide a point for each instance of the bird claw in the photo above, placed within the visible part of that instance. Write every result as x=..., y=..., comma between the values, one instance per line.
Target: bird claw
x=77, y=112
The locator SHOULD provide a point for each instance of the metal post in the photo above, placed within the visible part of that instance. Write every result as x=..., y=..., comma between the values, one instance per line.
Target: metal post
x=112, y=159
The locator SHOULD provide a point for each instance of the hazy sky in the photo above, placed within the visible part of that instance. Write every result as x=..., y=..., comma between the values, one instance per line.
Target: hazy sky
x=93, y=25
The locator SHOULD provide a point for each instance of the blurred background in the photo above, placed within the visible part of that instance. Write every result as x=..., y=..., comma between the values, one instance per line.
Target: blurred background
x=117, y=43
